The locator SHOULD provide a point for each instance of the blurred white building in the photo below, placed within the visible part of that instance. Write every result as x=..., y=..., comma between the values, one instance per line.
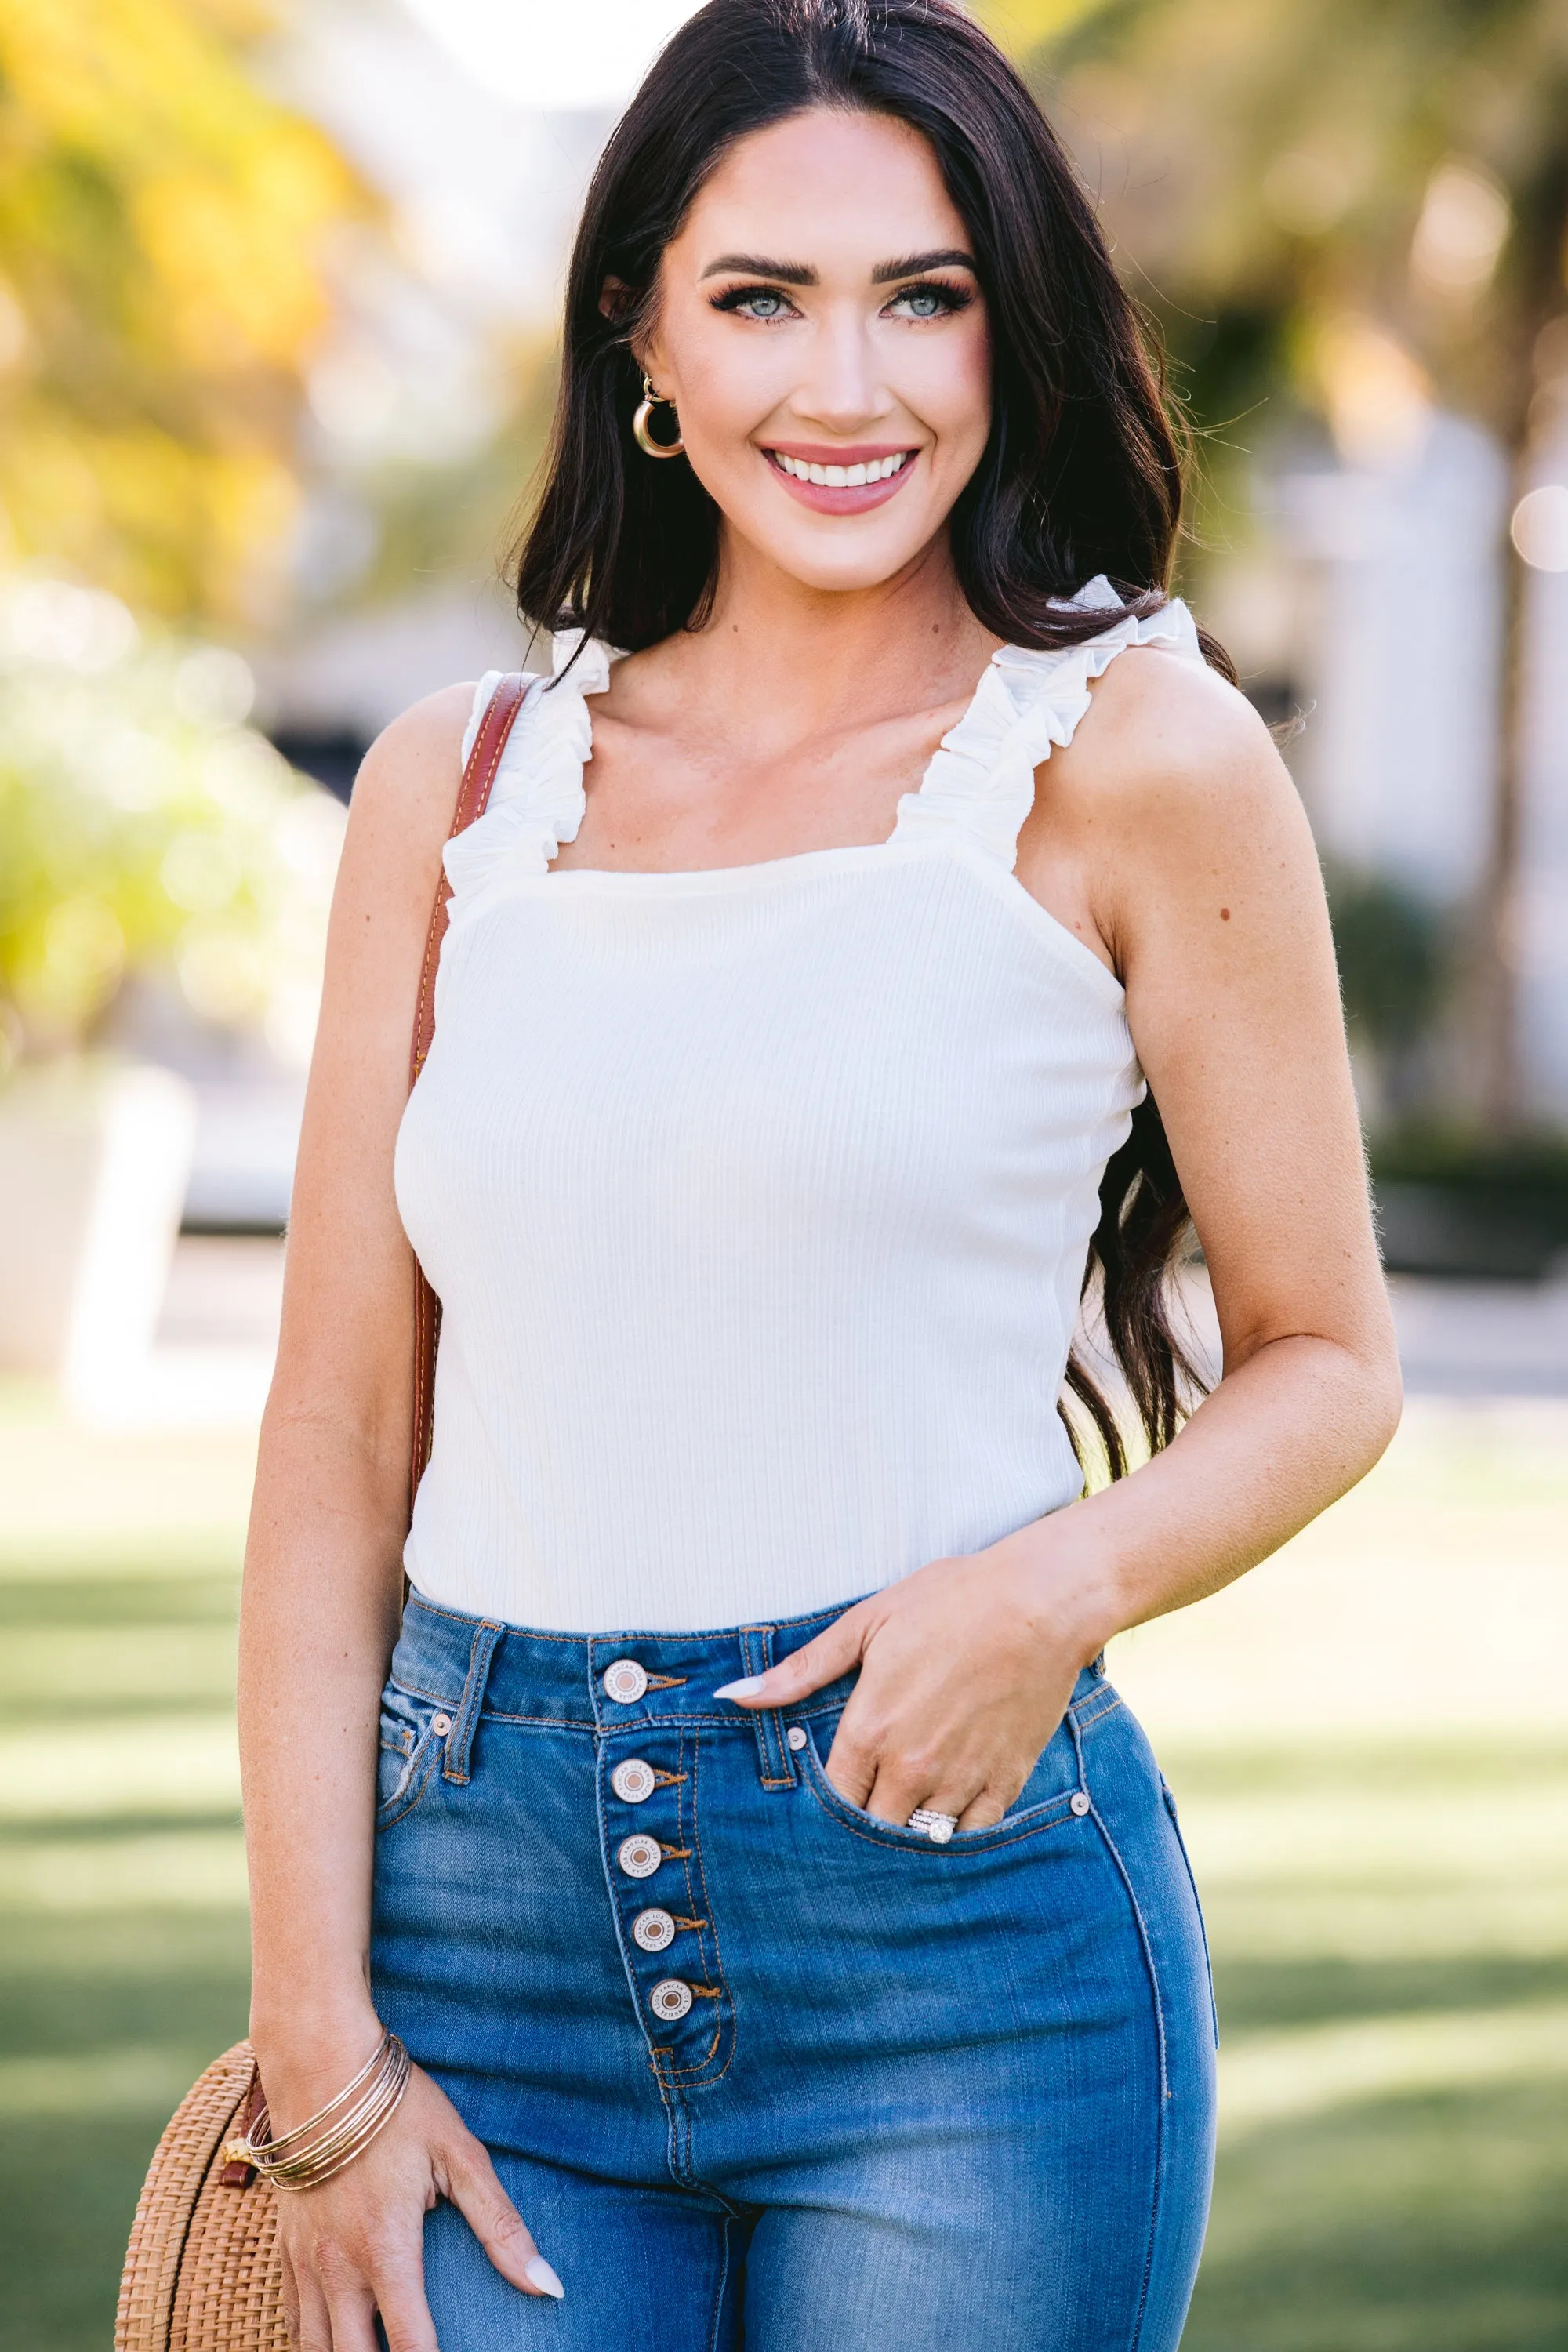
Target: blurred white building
x=1400, y=662
x=1374, y=608
x=1540, y=927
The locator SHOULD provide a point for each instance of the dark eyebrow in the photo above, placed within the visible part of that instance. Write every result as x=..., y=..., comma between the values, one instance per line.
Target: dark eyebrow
x=798, y=273
x=914, y=265
x=757, y=265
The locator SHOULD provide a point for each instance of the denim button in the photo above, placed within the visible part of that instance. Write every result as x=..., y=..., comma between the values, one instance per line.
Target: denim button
x=1077, y=1803
x=632, y=1782
x=624, y=1682
x=795, y=1736
x=670, y=2000
x=639, y=1857
x=653, y=1931
x=441, y=1724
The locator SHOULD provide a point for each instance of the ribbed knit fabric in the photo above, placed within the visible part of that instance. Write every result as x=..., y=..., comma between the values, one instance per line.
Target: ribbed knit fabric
x=757, y=1198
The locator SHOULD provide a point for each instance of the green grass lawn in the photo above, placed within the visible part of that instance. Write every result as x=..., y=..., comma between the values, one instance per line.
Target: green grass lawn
x=123, y=1966
x=1392, y=1987
x=1387, y=1903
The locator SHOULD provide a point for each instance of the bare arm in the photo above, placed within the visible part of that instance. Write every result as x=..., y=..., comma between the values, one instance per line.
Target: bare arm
x=1209, y=883
x=324, y=1583
x=1171, y=840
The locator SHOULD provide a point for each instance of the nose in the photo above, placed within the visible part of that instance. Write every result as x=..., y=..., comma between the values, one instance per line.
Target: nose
x=842, y=388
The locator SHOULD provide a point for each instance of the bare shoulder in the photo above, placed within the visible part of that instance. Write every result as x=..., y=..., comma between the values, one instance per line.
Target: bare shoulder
x=407, y=781
x=1171, y=779
x=1168, y=742
x=1171, y=795
x=399, y=818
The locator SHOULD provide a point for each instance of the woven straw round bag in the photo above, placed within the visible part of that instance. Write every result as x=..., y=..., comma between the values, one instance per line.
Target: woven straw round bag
x=203, y=2272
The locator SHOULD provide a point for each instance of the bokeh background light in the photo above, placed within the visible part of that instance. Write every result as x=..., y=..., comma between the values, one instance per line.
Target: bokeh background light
x=591, y=57
x=278, y=286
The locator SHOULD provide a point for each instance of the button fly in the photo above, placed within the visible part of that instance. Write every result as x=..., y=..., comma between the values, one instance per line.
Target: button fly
x=639, y=1857
x=624, y=1682
x=795, y=1736
x=653, y=1931
x=632, y=1782
x=670, y=2000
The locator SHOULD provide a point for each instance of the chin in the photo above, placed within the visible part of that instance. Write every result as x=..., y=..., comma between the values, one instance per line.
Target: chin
x=846, y=560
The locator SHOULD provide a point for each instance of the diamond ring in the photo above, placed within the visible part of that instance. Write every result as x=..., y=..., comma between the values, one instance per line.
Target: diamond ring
x=938, y=1827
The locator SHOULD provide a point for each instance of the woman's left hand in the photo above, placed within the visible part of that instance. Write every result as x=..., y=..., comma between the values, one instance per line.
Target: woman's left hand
x=966, y=1668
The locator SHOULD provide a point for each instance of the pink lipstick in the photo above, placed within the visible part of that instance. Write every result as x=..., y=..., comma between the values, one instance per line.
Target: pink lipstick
x=841, y=481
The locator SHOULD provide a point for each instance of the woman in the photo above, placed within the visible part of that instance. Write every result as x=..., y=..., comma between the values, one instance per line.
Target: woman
x=786, y=1919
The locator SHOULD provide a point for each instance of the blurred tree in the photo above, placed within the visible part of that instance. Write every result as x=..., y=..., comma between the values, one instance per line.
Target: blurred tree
x=1354, y=209
x=455, y=518
x=164, y=229
x=1393, y=958
x=146, y=832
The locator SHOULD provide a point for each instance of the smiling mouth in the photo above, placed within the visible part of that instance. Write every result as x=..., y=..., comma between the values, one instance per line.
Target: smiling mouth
x=842, y=477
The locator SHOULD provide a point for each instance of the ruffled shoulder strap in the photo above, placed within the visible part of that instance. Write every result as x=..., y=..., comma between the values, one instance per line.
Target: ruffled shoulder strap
x=981, y=783
x=537, y=800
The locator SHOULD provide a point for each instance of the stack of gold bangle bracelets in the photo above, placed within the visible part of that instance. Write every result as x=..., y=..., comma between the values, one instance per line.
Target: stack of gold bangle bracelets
x=336, y=2133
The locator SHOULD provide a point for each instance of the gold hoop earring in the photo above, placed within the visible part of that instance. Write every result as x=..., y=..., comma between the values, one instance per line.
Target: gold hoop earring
x=640, y=434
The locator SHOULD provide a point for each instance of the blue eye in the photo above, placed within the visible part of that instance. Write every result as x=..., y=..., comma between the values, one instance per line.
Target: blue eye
x=764, y=304
x=931, y=301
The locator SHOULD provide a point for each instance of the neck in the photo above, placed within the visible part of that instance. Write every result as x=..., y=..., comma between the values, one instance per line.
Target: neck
x=810, y=655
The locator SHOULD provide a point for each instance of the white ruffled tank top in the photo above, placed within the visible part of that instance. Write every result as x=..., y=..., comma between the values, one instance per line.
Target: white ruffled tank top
x=757, y=1198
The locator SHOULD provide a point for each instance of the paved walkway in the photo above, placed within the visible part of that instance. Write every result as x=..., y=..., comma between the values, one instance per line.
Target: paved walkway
x=219, y=1331
x=1482, y=1339
x=1457, y=1338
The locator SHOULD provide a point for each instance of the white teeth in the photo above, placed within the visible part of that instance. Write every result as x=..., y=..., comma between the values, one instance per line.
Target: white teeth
x=840, y=478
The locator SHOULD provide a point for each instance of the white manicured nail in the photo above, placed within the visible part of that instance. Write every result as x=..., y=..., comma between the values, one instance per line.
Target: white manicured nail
x=539, y=2273
x=747, y=1687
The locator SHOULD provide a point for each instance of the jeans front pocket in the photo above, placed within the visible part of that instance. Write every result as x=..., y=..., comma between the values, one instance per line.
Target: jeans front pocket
x=1044, y=1801
x=413, y=1730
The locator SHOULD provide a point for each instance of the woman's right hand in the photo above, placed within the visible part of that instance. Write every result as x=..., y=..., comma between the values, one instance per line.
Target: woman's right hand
x=354, y=2246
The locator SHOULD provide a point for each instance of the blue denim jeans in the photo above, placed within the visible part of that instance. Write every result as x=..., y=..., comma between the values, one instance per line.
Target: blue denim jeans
x=757, y=2069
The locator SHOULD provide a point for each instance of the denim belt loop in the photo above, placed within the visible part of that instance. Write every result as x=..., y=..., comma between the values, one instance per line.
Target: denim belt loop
x=773, y=1749
x=461, y=1738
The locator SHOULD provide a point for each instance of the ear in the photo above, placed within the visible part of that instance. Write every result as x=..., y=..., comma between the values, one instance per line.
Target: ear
x=624, y=306
x=621, y=304
x=616, y=301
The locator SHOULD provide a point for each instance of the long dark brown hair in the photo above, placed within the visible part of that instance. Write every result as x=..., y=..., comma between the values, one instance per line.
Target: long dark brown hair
x=1082, y=472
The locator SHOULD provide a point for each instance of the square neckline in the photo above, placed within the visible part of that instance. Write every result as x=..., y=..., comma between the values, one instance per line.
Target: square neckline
x=973, y=796
x=951, y=841
x=554, y=872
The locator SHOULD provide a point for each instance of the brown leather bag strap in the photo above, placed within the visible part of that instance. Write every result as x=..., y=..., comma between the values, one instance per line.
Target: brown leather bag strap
x=473, y=798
